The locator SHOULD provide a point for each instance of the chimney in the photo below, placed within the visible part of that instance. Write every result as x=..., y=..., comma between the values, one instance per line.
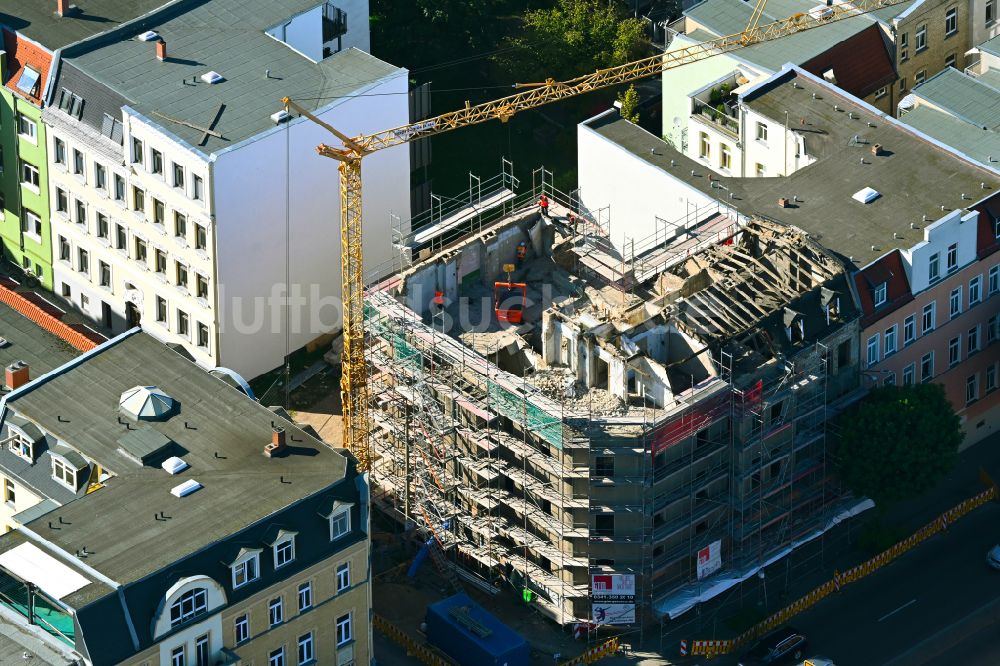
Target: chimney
x=62, y=7
x=783, y=202
x=277, y=442
x=16, y=375
x=161, y=50
x=876, y=149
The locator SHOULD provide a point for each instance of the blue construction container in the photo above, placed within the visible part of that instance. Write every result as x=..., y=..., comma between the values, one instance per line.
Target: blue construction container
x=464, y=631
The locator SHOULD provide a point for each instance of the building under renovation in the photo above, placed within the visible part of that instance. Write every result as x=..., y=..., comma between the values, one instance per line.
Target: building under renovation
x=611, y=432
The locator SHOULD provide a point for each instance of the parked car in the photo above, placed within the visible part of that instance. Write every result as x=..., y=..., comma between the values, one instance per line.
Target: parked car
x=784, y=646
x=993, y=557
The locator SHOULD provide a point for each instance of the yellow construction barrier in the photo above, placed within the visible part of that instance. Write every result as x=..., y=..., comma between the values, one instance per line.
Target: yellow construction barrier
x=718, y=647
x=413, y=649
x=605, y=649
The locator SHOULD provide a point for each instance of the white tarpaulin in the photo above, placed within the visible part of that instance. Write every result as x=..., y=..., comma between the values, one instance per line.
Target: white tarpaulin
x=30, y=563
x=613, y=598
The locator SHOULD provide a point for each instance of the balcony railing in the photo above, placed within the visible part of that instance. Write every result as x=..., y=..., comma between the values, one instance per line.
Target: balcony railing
x=717, y=118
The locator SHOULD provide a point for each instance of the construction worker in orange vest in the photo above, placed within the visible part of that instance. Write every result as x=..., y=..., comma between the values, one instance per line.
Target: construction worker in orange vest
x=439, y=300
x=522, y=252
x=543, y=205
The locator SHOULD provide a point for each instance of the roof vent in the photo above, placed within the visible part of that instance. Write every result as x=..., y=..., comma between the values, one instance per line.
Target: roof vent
x=149, y=36
x=147, y=403
x=174, y=465
x=280, y=117
x=185, y=488
x=866, y=196
x=212, y=77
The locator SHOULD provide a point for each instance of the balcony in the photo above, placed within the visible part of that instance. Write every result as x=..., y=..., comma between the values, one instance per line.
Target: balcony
x=720, y=117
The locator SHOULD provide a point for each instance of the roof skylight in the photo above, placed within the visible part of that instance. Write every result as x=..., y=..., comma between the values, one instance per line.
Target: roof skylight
x=28, y=83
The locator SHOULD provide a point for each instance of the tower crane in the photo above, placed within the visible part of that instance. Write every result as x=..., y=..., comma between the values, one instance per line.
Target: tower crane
x=351, y=152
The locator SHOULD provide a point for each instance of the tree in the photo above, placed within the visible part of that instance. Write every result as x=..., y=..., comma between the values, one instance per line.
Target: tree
x=574, y=37
x=630, y=103
x=898, y=442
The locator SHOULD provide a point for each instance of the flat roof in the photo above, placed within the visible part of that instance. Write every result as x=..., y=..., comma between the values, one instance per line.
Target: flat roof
x=991, y=46
x=914, y=176
x=227, y=37
x=18, y=639
x=37, y=19
x=221, y=434
x=29, y=342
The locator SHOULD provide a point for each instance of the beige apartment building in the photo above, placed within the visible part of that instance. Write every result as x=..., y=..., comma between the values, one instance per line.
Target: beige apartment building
x=929, y=36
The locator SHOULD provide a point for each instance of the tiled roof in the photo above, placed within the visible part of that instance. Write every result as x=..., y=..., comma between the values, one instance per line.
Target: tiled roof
x=22, y=53
x=890, y=270
x=861, y=63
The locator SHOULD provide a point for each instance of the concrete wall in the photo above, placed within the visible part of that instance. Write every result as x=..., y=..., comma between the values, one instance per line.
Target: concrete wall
x=252, y=206
x=957, y=227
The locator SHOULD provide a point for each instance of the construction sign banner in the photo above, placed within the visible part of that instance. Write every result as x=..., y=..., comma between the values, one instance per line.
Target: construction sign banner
x=709, y=559
x=613, y=598
x=604, y=613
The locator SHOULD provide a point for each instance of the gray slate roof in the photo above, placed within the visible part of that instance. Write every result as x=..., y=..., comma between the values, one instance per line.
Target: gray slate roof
x=965, y=97
x=41, y=350
x=991, y=46
x=225, y=36
x=37, y=20
x=971, y=140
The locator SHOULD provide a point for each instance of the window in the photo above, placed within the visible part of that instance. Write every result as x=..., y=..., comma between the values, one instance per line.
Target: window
x=161, y=261
x=991, y=12
x=604, y=466
x=62, y=201
x=161, y=310
x=343, y=576
x=200, y=237
x=121, y=237
x=155, y=161
x=991, y=378
x=604, y=525
x=83, y=263
x=890, y=379
x=105, y=274
x=908, y=375
x=189, y=605
x=197, y=189
x=952, y=258
x=78, y=164
x=972, y=389
x=725, y=157
x=975, y=290
x=873, y=350
x=63, y=249
x=177, y=656
x=63, y=473
x=919, y=77
x=879, y=293
x=284, y=552
x=178, y=175
x=954, y=351
x=159, y=212
x=136, y=151
x=27, y=128
x=100, y=176
x=759, y=170
x=994, y=280
x=9, y=492
x=201, y=283
x=202, y=336
x=181, y=274
x=103, y=227
x=241, y=629
x=949, y=60
x=704, y=147
x=307, y=651
x=29, y=175
x=201, y=651
x=305, y=596
x=81, y=212
x=993, y=329
x=761, y=132
x=955, y=302
x=902, y=84
x=119, y=188
x=275, y=612
x=31, y=223
x=246, y=570
x=28, y=84
x=180, y=225
x=183, y=323
x=277, y=657
x=921, y=40
x=972, y=337
x=59, y=150
x=890, y=341
x=138, y=199
x=951, y=21
x=904, y=44
x=140, y=250
x=340, y=524
x=66, y=291
x=927, y=367
x=930, y=315
x=343, y=629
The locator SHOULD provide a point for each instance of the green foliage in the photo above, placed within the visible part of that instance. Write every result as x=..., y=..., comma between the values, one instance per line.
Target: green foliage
x=898, y=442
x=720, y=109
x=575, y=37
x=877, y=537
x=630, y=103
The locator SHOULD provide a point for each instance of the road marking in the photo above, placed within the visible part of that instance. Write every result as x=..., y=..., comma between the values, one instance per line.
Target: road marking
x=891, y=613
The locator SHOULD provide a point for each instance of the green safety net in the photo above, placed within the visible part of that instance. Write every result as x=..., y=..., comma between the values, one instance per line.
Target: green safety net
x=531, y=417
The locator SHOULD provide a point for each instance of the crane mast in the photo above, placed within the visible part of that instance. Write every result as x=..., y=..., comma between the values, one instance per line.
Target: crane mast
x=354, y=378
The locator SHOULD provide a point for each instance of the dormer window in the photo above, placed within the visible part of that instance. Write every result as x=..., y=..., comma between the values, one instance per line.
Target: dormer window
x=246, y=568
x=879, y=294
x=340, y=523
x=22, y=446
x=189, y=605
x=284, y=549
x=63, y=473
x=795, y=327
